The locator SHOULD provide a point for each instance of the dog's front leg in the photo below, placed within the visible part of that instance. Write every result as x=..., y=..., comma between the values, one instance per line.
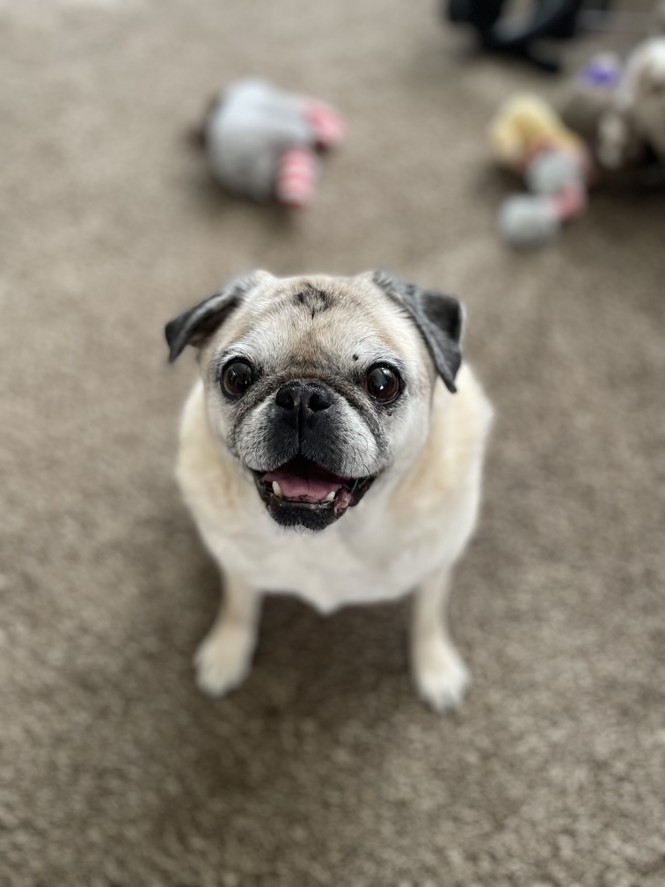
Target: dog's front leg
x=224, y=657
x=439, y=673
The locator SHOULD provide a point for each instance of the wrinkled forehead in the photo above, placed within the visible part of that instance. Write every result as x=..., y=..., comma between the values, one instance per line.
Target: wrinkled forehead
x=301, y=321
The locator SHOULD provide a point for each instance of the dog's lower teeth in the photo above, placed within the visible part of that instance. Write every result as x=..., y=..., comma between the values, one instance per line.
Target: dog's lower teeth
x=277, y=490
x=330, y=496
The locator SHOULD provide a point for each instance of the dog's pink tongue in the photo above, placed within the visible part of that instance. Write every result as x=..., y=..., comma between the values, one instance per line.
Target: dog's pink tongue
x=303, y=489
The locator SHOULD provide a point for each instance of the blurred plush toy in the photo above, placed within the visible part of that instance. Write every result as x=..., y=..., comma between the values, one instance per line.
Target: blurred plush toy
x=611, y=130
x=528, y=137
x=264, y=143
x=622, y=115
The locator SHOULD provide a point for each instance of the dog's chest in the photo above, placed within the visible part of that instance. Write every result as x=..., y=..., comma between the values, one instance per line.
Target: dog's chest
x=331, y=570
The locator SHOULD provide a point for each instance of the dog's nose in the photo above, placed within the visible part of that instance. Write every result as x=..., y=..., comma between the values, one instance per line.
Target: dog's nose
x=306, y=396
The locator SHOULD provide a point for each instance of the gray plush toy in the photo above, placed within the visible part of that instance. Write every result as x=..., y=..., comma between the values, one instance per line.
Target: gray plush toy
x=264, y=143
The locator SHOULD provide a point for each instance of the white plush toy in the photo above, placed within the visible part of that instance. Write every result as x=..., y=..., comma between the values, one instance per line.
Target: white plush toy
x=264, y=143
x=637, y=113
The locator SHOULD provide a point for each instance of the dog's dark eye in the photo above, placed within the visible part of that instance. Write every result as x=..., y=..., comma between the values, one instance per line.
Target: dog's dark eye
x=382, y=383
x=237, y=378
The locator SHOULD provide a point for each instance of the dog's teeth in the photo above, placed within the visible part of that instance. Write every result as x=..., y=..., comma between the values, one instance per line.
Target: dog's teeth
x=330, y=496
x=277, y=490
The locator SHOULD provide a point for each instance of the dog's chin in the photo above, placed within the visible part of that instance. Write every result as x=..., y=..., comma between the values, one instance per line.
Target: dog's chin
x=304, y=494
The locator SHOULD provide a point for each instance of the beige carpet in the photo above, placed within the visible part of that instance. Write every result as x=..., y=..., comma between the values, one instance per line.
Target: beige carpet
x=323, y=769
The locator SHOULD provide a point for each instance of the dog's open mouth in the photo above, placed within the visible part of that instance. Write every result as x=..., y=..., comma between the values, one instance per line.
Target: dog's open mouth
x=301, y=486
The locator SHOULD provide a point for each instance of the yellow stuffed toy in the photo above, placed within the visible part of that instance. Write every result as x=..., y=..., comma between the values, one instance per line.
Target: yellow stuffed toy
x=528, y=137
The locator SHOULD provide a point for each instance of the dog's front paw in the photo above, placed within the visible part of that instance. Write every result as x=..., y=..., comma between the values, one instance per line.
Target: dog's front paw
x=222, y=660
x=440, y=675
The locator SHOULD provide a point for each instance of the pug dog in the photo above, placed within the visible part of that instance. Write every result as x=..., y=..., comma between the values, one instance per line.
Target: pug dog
x=332, y=449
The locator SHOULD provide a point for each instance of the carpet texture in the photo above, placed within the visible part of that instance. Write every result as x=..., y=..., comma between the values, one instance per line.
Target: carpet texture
x=324, y=769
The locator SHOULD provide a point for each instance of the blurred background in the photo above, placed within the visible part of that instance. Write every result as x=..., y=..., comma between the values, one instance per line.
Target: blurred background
x=324, y=768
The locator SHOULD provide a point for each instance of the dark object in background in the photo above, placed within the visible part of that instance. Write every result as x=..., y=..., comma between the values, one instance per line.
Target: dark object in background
x=548, y=19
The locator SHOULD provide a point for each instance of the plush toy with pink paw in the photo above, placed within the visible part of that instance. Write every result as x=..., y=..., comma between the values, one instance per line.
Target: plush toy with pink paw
x=266, y=144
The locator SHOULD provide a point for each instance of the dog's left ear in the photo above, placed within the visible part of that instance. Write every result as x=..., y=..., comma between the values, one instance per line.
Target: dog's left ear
x=195, y=326
x=438, y=317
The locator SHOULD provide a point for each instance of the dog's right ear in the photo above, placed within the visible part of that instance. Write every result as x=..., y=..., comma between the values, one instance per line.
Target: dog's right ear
x=195, y=326
x=437, y=316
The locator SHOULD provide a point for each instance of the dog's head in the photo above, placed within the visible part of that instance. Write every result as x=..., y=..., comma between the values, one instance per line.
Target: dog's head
x=319, y=385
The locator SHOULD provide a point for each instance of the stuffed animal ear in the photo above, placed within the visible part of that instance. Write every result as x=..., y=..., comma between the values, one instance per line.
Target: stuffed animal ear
x=195, y=326
x=438, y=317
